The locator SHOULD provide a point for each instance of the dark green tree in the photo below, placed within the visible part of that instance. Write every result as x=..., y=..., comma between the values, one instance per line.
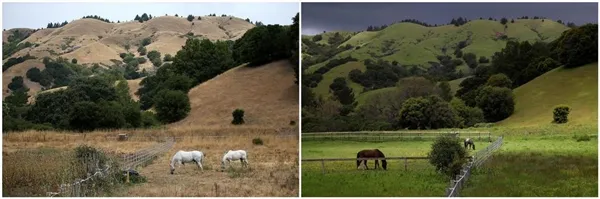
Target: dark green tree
x=85, y=116
x=496, y=103
x=171, y=106
x=576, y=47
x=238, y=117
x=445, y=91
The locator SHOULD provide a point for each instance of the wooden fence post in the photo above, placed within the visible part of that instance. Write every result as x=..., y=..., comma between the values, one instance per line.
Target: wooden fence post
x=405, y=164
x=323, y=165
x=216, y=190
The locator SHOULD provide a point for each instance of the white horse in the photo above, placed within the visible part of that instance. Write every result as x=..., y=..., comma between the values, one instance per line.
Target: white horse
x=233, y=156
x=182, y=157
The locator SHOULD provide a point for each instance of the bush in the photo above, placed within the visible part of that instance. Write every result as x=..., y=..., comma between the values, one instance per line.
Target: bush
x=499, y=80
x=171, y=106
x=190, y=18
x=238, y=116
x=146, y=41
x=561, y=114
x=16, y=83
x=168, y=57
x=141, y=60
x=142, y=50
x=447, y=155
x=34, y=74
x=74, y=61
x=257, y=141
x=483, y=60
x=149, y=119
x=122, y=55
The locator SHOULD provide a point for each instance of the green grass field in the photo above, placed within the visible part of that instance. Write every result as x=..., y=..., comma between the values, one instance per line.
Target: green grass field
x=577, y=88
x=342, y=179
x=417, y=45
x=534, y=161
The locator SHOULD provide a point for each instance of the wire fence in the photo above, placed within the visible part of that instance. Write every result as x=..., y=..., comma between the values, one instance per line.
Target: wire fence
x=399, y=163
x=479, y=158
x=393, y=135
x=86, y=187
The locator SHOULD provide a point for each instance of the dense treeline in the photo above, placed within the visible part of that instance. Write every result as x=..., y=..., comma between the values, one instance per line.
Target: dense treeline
x=97, y=17
x=144, y=17
x=57, y=25
x=87, y=103
x=14, y=61
x=378, y=74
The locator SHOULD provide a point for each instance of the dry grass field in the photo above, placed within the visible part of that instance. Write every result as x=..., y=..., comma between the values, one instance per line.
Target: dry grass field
x=273, y=169
x=266, y=93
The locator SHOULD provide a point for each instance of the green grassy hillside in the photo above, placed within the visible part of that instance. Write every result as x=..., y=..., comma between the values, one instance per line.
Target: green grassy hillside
x=577, y=88
x=413, y=44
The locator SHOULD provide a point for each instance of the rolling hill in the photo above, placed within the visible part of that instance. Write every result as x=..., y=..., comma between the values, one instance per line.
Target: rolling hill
x=267, y=94
x=413, y=44
x=577, y=88
x=92, y=41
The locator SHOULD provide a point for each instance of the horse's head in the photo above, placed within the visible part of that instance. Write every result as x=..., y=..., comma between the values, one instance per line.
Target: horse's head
x=384, y=164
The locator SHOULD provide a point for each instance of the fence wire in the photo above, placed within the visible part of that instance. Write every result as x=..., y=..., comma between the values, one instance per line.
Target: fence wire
x=130, y=161
x=478, y=159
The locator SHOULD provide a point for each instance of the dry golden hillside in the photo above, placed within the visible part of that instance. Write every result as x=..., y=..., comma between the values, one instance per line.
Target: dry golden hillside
x=93, y=41
x=267, y=94
x=82, y=37
x=20, y=70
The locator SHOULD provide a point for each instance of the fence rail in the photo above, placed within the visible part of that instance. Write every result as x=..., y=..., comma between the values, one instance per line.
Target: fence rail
x=392, y=135
x=130, y=161
x=323, y=160
x=478, y=159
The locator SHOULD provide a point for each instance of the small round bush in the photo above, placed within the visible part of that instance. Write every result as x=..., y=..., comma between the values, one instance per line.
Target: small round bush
x=257, y=141
x=561, y=114
x=238, y=116
x=447, y=155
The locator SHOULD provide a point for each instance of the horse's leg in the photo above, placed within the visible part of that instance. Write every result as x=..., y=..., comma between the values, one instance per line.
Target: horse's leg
x=200, y=165
x=366, y=167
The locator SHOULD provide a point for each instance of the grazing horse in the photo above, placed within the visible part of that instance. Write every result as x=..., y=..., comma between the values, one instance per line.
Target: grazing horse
x=374, y=153
x=469, y=142
x=230, y=155
x=182, y=157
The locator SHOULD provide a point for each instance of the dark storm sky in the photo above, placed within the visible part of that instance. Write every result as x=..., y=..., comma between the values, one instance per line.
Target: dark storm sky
x=319, y=17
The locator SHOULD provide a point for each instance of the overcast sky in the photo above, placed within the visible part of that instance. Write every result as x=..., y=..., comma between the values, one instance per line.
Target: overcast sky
x=38, y=15
x=319, y=17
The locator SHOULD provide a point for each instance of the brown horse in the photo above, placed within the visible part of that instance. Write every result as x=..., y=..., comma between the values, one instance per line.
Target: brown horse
x=374, y=153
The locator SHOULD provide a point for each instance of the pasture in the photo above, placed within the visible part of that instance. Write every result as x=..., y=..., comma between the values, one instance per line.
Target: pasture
x=546, y=160
x=342, y=179
x=273, y=166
